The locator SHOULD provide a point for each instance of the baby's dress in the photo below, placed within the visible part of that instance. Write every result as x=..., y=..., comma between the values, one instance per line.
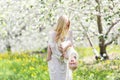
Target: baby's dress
x=58, y=69
x=70, y=52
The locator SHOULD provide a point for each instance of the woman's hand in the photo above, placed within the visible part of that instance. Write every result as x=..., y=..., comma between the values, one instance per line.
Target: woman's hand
x=62, y=51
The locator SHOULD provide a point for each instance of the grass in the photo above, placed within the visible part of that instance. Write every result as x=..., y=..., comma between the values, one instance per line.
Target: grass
x=34, y=67
x=87, y=51
x=23, y=67
x=106, y=70
x=114, y=49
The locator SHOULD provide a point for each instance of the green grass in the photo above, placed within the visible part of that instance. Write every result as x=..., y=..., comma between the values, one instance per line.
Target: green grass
x=113, y=49
x=34, y=67
x=106, y=70
x=87, y=51
x=23, y=67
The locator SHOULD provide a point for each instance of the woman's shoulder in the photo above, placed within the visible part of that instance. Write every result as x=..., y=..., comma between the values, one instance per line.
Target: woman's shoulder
x=70, y=32
x=52, y=32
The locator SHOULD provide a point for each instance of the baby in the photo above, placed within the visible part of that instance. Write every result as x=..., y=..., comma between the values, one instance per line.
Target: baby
x=70, y=55
x=64, y=46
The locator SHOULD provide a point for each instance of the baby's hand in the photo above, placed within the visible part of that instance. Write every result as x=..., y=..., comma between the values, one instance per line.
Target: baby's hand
x=60, y=48
x=65, y=56
x=65, y=45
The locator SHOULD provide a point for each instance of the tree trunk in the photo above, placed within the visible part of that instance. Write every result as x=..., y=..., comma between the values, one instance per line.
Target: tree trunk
x=103, y=52
x=8, y=47
x=102, y=45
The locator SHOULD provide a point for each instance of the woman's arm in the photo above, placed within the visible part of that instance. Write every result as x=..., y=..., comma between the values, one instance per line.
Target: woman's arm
x=49, y=50
x=49, y=53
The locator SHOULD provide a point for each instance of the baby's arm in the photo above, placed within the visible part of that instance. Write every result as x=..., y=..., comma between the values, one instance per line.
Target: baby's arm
x=65, y=45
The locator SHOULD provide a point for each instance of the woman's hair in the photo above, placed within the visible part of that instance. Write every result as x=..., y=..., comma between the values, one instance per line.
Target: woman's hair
x=62, y=28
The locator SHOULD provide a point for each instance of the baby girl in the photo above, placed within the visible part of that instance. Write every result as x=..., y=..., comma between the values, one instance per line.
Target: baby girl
x=70, y=55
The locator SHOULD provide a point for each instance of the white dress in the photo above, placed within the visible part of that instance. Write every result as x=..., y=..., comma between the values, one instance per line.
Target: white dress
x=58, y=69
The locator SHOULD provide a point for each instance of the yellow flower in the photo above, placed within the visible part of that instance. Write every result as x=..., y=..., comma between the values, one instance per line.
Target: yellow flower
x=14, y=70
x=18, y=60
x=23, y=64
x=33, y=59
x=33, y=74
x=31, y=68
x=108, y=62
x=0, y=58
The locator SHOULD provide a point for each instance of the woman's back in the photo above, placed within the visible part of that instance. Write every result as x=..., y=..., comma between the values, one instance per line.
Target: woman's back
x=54, y=45
x=56, y=66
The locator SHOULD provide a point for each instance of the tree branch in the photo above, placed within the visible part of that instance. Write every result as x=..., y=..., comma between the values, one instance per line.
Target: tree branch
x=113, y=24
x=97, y=1
x=87, y=34
x=90, y=42
x=110, y=42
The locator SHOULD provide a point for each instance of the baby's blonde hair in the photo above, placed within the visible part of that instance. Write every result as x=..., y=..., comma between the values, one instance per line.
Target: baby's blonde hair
x=61, y=28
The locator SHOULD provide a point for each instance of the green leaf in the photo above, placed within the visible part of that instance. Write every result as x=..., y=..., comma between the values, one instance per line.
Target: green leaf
x=91, y=18
x=87, y=20
x=31, y=6
x=119, y=29
x=108, y=23
x=50, y=14
x=105, y=37
x=105, y=19
x=105, y=10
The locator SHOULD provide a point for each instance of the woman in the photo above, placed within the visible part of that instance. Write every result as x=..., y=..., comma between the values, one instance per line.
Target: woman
x=58, y=69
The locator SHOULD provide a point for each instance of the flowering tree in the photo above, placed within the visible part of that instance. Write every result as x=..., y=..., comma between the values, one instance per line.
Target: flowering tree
x=24, y=24
x=107, y=15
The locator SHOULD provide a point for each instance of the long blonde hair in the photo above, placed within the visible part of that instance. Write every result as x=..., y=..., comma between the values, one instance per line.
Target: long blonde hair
x=61, y=28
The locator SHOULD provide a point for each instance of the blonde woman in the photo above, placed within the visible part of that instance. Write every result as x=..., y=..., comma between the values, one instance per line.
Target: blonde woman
x=58, y=69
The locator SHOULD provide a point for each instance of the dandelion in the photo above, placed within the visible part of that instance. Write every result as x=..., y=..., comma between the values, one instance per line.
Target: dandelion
x=18, y=60
x=31, y=68
x=0, y=58
x=23, y=64
x=14, y=70
x=33, y=74
x=33, y=59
